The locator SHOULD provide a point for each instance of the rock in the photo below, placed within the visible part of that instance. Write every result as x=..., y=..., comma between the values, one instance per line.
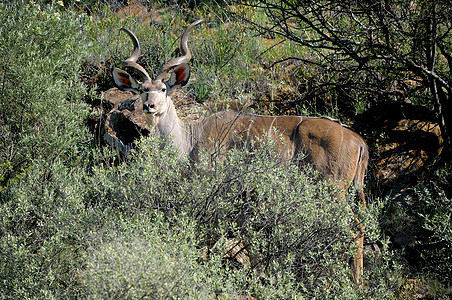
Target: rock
x=125, y=121
x=238, y=250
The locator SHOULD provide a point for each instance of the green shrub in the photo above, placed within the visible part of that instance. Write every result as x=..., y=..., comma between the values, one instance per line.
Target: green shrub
x=44, y=150
x=435, y=211
x=42, y=220
x=41, y=112
x=145, y=258
x=299, y=234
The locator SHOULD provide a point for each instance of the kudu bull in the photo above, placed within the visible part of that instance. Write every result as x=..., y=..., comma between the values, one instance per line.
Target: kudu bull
x=338, y=153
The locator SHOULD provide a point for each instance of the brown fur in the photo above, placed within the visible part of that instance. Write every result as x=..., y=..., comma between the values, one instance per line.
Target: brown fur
x=334, y=150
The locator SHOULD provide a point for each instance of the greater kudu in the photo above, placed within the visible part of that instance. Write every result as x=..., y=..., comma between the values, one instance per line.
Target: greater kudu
x=334, y=150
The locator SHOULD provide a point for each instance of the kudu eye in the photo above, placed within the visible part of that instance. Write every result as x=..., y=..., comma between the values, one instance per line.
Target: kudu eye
x=163, y=90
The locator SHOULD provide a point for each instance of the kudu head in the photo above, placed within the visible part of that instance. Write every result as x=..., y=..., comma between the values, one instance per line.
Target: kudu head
x=154, y=93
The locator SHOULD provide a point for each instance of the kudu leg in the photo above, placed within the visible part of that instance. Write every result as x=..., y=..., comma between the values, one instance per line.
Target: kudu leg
x=357, y=263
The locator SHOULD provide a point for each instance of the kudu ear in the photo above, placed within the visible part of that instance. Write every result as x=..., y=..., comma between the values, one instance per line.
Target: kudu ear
x=179, y=76
x=124, y=81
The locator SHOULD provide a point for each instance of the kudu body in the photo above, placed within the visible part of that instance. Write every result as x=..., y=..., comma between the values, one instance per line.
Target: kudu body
x=338, y=153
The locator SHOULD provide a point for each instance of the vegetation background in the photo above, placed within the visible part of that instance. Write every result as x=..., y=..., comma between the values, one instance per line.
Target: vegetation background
x=79, y=221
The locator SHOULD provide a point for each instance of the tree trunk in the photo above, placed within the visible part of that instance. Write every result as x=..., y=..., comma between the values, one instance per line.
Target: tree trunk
x=443, y=101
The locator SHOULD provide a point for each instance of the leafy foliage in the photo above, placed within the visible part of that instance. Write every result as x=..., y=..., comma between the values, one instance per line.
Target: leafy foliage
x=41, y=115
x=145, y=257
x=298, y=233
x=436, y=212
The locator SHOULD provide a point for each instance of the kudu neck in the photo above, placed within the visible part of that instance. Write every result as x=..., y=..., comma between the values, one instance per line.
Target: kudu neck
x=172, y=128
